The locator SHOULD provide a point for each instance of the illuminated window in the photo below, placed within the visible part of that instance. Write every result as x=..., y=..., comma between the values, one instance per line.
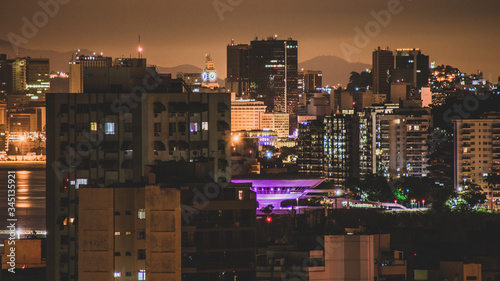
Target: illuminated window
x=109, y=128
x=118, y=274
x=141, y=214
x=193, y=127
x=80, y=182
x=93, y=126
x=141, y=276
x=204, y=126
x=128, y=233
x=117, y=233
x=240, y=195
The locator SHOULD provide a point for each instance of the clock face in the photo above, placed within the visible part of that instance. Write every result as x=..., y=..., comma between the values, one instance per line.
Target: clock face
x=212, y=76
x=204, y=76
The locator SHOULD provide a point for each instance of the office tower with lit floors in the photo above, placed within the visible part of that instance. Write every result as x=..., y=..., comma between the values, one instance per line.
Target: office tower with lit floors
x=274, y=75
x=310, y=81
x=310, y=148
x=24, y=80
x=341, y=153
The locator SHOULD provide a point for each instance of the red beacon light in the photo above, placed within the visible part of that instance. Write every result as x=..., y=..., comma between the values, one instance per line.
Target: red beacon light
x=269, y=219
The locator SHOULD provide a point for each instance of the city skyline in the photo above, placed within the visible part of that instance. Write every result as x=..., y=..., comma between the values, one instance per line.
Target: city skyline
x=323, y=28
x=349, y=140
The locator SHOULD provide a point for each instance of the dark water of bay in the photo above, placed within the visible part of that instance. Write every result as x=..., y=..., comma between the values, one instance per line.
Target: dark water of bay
x=30, y=201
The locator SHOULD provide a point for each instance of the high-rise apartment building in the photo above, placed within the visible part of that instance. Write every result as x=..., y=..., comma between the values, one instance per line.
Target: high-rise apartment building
x=158, y=232
x=128, y=117
x=386, y=140
x=402, y=142
x=238, y=67
x=477, y=154
x=382, y=65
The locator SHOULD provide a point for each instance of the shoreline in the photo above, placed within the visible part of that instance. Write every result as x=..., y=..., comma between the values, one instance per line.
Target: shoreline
x=22, y=165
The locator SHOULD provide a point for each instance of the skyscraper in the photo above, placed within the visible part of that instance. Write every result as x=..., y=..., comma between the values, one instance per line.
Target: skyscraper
x=310, y=81
x=23, y=80
x=5, y=78
x=382, y=64
x=237, y=80
x=274, y=73
x=411, y=66
x=310, y=148
x=341, y=153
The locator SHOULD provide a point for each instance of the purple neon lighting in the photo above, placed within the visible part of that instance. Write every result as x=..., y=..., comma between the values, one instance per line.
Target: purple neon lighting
x=273, y=192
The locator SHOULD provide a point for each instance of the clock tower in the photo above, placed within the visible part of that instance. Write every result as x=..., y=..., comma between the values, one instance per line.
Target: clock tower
x=209, y=75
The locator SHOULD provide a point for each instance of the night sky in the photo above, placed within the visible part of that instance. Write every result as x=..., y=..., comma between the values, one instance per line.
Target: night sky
x=461, y=33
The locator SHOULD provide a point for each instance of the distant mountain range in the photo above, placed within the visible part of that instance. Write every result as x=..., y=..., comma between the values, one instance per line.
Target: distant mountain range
x=335, y=69
x=58, y=60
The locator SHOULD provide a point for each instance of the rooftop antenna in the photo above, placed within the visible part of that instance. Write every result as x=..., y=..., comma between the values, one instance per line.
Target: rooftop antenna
x=139, y=50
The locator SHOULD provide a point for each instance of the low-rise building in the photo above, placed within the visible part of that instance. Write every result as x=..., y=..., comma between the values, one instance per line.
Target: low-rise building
x=357, y=257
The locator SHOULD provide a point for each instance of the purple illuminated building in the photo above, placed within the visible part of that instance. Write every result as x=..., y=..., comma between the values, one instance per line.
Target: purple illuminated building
x=275, y=191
